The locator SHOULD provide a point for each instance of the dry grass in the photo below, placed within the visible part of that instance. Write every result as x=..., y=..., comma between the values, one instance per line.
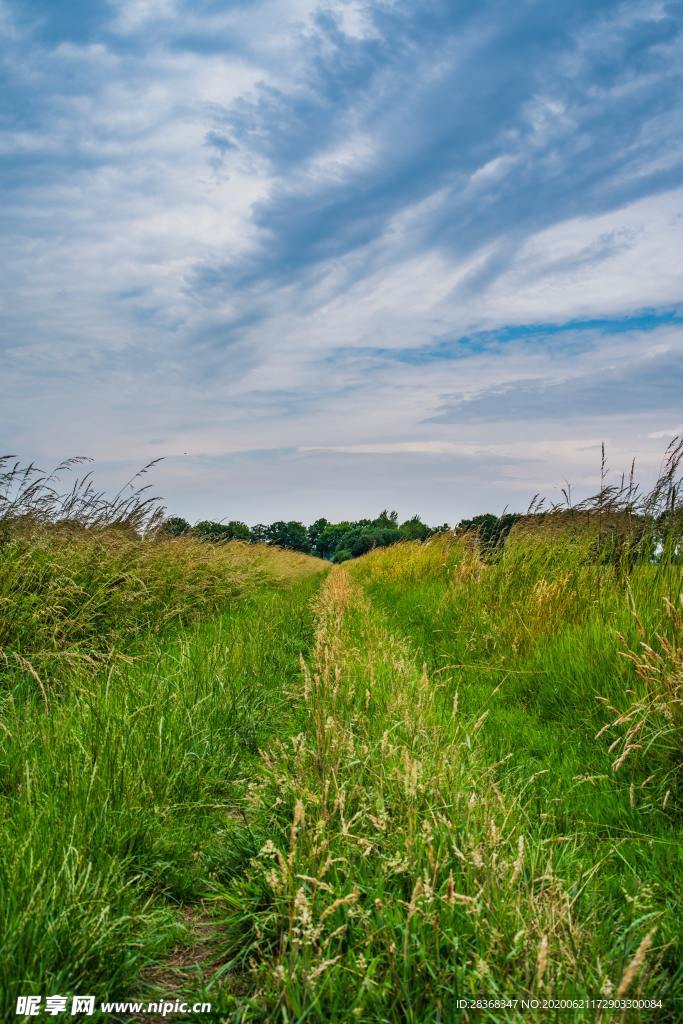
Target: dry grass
x=442, y=807
x=401, y=873
x=446, y=823
x=70, y=594
x=653, y=722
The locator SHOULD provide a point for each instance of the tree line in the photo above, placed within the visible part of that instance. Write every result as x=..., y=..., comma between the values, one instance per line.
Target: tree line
x=336, y=542
x=617, y=534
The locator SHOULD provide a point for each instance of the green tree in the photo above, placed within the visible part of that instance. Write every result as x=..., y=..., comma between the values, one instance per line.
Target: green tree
x=330, y=537
x=174, y=526
x=414, y=529
x=292, y=535
x=219, y=533
x=491, y=530
x=386, y=520
x=314, y=532
x=239, y=530
x=361, y=538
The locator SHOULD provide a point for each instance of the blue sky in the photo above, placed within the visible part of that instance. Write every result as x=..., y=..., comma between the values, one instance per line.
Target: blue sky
x=330, y=257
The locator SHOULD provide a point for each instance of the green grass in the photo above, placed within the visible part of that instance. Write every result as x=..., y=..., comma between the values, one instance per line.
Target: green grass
x=71, y=595
x=119, y=803
x=469, y=787
x=417, y=848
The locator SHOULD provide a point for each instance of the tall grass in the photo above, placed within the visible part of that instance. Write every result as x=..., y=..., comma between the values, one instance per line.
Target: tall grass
x=483, y=798
x=83, y=575
x=121, y=738
x=30, y=495
x=469, y=787
x=402, y=867
x=118, y=805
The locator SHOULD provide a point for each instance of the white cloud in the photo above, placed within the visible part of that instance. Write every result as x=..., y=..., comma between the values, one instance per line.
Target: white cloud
x=142, y=315
x=666, y=435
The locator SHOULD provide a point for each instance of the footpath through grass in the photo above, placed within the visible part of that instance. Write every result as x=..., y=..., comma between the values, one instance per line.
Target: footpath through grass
x=468, y=789
x=120, y=792
x=446, y=824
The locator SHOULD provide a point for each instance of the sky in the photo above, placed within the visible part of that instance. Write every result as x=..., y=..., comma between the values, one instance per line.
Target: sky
x=325, y=258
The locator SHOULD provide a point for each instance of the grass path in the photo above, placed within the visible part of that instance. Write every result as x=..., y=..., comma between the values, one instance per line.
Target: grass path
x=365, y=835
x=396, y=868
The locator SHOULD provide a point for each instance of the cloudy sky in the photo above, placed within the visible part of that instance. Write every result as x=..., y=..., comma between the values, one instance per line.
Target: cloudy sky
x=327, y=256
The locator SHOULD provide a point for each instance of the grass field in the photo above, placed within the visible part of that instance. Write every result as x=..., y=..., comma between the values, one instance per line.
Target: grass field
x=364, y=793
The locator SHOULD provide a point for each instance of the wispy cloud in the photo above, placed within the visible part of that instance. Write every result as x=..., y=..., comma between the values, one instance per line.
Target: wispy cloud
x=337, y=232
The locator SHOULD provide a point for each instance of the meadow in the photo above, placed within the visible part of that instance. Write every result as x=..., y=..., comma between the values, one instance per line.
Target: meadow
x=440, y=772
